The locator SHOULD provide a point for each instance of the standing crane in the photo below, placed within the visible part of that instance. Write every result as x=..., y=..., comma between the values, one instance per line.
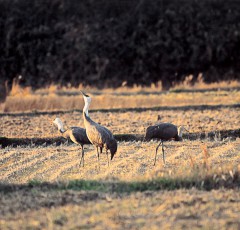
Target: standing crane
x=76, y=134
x=164, y=132
x=98, y=135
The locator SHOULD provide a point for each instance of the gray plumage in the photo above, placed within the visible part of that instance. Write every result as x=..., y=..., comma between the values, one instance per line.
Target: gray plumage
x=76, y=134
x=98, y=135
x=164, y=132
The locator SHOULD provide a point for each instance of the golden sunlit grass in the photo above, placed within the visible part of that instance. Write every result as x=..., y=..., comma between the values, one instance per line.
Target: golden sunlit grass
x=185, y=85
x=200, y=84
x=110, y=101
x=65, y=98
x=17, y=90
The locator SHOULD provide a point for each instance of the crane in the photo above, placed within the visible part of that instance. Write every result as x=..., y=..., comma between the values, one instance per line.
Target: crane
x=98, y=135
x=164, y=132
x=76, y=134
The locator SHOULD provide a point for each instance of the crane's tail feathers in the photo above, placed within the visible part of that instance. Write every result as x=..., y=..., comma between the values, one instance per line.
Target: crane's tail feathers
x=112, y=155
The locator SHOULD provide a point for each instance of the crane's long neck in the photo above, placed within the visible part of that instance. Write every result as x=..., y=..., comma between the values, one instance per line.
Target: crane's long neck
x=86, y=107
x=87, y=101
x=86, y=118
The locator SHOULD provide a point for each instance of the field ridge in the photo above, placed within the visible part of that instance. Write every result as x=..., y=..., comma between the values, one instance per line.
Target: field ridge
x=117, y=110
x=220, y=135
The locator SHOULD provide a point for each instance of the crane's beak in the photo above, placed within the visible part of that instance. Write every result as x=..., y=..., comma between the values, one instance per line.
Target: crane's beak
x=85, y=95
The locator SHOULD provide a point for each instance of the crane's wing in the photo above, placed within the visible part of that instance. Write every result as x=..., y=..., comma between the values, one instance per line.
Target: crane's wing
x=79, y=135
x=99, y=135
x=162, y=131
x=167, y=130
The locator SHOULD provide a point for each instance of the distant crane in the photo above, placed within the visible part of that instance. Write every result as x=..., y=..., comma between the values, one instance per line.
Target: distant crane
x=76, y=134
x=164, y=132
x=98, y=135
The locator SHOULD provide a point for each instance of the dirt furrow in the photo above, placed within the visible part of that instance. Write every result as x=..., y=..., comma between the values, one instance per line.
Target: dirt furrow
x=28, y=162
x=49, y=167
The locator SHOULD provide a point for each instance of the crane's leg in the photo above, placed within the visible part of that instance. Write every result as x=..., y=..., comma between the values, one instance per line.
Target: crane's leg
x=163, y=152
x=98, y=157
x=107, y=157
x=82, y=157
x=161, y=143
x=156, y=153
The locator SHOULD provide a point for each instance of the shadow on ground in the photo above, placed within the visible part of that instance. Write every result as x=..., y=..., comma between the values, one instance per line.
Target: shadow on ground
x=215, y=135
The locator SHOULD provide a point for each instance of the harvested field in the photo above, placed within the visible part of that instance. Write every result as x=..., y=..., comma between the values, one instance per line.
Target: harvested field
x=43, y=187
x=134, y=161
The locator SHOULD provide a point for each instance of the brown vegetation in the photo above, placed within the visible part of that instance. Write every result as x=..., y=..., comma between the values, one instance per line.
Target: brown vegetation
x=61, y=98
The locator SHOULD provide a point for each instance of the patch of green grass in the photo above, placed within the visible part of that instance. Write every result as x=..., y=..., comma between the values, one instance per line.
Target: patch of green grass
x=86, y=185
x=204, y=183
x=34, y=183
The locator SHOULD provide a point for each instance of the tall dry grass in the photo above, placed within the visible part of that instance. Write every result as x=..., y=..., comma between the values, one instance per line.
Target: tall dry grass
x=185, y=85
x=18, y=90
x=55, y=97
x=51, y=102
x=200, y=84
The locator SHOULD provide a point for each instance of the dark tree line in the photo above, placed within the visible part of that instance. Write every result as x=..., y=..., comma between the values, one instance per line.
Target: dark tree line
x=106, y=42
